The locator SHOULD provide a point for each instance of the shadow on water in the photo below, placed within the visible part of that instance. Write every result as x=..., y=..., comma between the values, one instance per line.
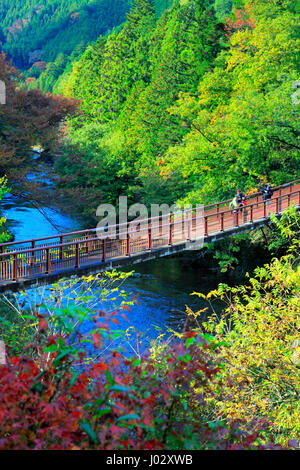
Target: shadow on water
x=164, y=289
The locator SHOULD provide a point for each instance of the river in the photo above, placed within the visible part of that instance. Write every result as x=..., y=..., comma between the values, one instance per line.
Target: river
x=162, y=287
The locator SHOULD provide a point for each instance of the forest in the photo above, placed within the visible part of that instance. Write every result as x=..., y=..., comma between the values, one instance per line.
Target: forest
x=202, y=107
x=182, y=101
x=35, y=31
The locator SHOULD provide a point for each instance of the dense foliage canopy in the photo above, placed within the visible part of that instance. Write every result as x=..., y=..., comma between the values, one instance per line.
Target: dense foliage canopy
x=40, y=30
x=27, y=118
x=185, y=107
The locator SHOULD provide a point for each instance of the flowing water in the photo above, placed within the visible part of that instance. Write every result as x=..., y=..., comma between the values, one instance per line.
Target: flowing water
x=162, y=287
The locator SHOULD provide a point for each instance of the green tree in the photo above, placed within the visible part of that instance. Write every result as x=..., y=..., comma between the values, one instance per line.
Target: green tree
x=243, y=122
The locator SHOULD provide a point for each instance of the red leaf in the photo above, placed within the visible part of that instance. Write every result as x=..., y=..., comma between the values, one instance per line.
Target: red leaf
x=97, y=340
x=43, y=325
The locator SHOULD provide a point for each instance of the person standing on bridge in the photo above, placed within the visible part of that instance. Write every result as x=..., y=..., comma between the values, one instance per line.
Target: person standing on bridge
x=241, y=198
x=267, y=193
x=234, y=204
x=237, y=204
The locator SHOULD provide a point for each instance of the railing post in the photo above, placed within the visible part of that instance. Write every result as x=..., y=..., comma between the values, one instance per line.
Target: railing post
x=87, y=236
x=77, y=257
x=150, y=238
x=237, y=218
x=194, y=218
x=15, y=267
x=289, y=199
x=104, y=250
x=48, y=263
x=128, y=243
x=189, y=222
x=222, y=222
x=61, y=240
x=32, y=261
x=170, y=230
x=251, y=213
x=265, y=209
x=205, y=226
x=277, y=205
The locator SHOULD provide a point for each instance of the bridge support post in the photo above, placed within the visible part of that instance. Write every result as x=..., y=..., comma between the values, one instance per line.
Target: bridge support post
x=189, y=222
x=87, y=236
x=170, y=230
x=194, y=218
x=15, y=267
x=104, y=250
x=77, y=257
x=32, y=261
x=150, y=238
x=236, y=217
x=61, y=240
x=205, y=226
x=127, y=244
x=48, y=262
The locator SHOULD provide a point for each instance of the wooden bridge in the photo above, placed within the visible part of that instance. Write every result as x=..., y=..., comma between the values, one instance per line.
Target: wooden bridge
x=44, y=260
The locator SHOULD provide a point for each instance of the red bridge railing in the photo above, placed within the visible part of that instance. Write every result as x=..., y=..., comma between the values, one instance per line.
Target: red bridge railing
x=85, y=247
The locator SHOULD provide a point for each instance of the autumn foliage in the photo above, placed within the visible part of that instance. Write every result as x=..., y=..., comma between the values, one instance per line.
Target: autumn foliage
x=28, y=118
x=119, y=404
x=241, y=21
x=70, y=389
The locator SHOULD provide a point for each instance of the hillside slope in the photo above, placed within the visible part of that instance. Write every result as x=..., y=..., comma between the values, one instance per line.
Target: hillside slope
x=185, y=107
x=38, y=30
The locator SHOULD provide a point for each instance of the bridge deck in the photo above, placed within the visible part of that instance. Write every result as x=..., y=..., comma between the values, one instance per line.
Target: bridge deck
x=46, y=259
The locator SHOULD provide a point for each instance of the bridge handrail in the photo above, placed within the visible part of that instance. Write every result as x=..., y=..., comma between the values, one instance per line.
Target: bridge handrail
x=214, y=214
x=89, y=240
x=252, y=195
x=88, y=231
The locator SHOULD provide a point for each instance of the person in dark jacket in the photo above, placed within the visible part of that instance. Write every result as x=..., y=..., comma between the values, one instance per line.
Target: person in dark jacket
x=240, y=198
x=267, y=195
x=267, y=192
